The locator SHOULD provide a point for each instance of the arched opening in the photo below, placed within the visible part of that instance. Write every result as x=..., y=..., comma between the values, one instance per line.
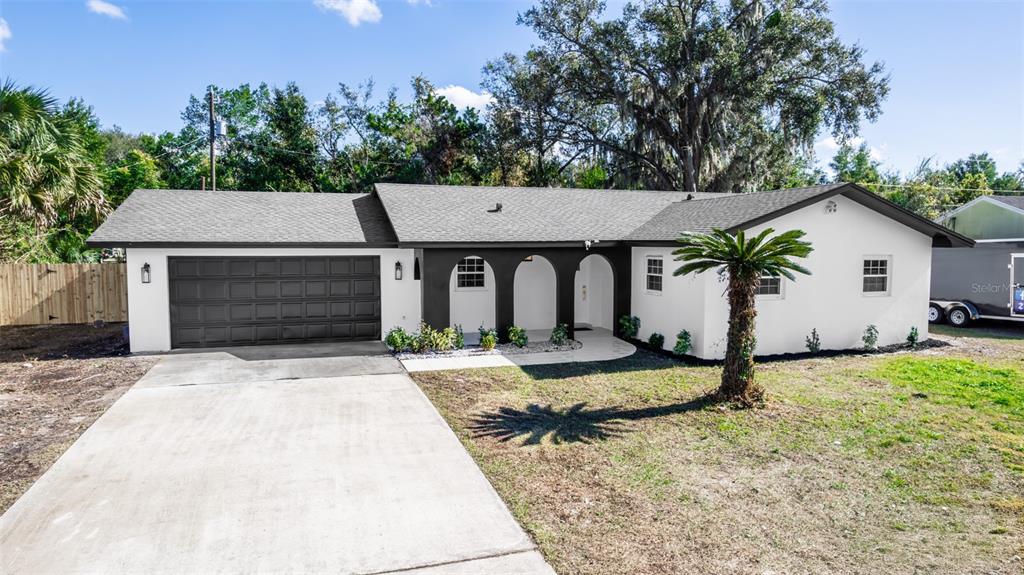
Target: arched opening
x=471, y=292
x=534, y=293
x=595, y=293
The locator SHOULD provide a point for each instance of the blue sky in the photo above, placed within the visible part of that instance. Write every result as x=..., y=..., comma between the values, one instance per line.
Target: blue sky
x=957, y=67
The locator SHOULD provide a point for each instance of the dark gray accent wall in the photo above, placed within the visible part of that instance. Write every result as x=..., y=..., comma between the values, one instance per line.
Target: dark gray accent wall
x=436, y=267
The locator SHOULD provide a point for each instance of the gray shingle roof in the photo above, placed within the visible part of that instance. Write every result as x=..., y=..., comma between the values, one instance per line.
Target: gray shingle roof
x=453, y=214
x=701, y=215
x=1015, y=201
x=227, y=217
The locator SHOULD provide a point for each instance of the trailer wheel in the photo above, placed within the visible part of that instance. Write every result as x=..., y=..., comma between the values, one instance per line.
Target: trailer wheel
x=959, y=317
x=935, y=313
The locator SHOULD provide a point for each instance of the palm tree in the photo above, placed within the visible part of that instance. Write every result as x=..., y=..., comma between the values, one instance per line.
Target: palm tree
x=45, y=171
x=745, y=261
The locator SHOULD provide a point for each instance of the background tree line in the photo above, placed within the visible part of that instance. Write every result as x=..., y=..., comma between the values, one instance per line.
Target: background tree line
x=694, y=95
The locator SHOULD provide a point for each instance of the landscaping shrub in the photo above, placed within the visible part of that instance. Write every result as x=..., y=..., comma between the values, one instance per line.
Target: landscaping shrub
x=397, y=339
x=870, y=337
x=657, y=341
x=683, y=343
x=912, y=337
x=813, y=342
x=560, y=335
x=629, y=325
x=517, y=336
x=460, y=338
x=488, y=338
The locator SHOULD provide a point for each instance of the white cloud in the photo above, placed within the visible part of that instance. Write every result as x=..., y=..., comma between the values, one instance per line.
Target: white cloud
x=423, y=2
x=5, y=34
x=355, y=11
x=831, y=144
x=465, y=98
x=106, y=9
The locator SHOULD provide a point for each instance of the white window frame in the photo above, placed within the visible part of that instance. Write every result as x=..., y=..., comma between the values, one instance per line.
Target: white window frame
x=460, y=273
x=647, y=274
x=888, y=275
x=782, y=288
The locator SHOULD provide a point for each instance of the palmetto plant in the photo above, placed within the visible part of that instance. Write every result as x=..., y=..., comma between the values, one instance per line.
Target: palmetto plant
x=744, y=261
x=44, y=169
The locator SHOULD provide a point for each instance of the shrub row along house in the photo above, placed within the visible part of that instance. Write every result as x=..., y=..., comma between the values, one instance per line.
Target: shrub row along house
x=236, y=268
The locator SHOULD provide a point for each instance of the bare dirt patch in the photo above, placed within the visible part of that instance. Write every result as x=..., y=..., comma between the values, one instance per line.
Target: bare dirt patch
x=54, y=382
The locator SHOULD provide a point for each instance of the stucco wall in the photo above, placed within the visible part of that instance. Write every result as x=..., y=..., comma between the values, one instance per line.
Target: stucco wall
x=472, y=307
x=830, y=300
x=680, y=305
x=149, y=304
x=535, y=294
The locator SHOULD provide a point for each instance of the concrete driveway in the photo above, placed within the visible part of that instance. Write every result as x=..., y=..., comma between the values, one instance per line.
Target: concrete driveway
x=217, y=463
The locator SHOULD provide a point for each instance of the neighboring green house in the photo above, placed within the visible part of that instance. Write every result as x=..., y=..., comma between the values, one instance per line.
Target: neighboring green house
x=988, y=218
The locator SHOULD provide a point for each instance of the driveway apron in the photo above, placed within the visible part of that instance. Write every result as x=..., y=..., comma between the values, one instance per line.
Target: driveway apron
x=215, y=464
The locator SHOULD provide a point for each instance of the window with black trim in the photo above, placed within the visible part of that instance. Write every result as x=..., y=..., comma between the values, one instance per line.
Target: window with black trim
x=876, y=275
x=655, y=271
x=470, y=273
x=769, y=285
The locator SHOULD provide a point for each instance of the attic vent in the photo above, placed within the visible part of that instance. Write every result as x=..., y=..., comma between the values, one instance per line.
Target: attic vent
x=496, y=209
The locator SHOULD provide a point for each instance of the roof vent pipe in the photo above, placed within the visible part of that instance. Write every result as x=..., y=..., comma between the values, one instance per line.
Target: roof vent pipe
x=497, y=208
x=689, y=196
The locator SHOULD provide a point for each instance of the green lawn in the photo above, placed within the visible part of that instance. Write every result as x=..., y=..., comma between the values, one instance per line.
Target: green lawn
x=905, y=463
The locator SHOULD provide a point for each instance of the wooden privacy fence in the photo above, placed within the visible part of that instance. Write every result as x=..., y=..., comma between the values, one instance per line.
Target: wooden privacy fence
x=33, y=294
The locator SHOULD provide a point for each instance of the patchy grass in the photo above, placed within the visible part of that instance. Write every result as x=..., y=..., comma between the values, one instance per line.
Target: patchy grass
x=906, y=463
x=55, y=381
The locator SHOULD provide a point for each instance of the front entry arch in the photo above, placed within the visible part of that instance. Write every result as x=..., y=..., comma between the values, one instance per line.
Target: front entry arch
x=595, y=293
x=535, y=290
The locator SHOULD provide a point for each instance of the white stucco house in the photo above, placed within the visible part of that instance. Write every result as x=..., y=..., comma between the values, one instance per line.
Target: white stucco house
x=226, y=268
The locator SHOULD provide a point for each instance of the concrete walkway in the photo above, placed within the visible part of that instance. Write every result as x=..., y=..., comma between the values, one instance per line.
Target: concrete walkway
x=598, y=345
x=212, y=463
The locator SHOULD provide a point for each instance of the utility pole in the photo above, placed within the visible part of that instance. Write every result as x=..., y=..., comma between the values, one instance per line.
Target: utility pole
x=213, y=157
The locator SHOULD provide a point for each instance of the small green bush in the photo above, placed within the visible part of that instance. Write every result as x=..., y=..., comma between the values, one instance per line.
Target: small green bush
x=460, y=338
x=397, y=339
x=683, y=343
x=870, y=337
x=629, y=325
x=657, y=341
x=813, y=342
x=560, y=335
x=488, y=338
x=912, y=337
x=517, y=336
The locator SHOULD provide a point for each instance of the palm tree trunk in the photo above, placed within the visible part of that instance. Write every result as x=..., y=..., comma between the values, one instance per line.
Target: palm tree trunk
x=738, y=372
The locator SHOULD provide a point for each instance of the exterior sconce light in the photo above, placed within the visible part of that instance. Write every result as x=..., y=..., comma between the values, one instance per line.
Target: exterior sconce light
x=145, y=273
x=398, y=270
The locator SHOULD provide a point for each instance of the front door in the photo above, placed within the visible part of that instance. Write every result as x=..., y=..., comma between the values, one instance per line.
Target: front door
x=1017, y=285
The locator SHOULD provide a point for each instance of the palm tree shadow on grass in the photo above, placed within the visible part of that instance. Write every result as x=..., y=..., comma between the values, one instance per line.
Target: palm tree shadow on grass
x=574, y=424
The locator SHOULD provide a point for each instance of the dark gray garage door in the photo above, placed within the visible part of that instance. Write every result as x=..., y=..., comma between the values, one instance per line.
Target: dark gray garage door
x=259, y=300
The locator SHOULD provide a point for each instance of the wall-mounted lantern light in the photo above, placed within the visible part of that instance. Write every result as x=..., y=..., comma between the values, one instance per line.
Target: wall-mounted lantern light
x=398, y=270
x=145, y=273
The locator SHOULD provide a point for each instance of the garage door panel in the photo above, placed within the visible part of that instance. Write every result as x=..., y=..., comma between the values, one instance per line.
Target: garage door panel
x=237, y=301
x=212, y=268
x=268, y=268
x=316, y=289
x=267, y=290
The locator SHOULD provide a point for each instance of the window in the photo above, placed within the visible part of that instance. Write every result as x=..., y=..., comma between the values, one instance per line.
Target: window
x=770, y=285
x=876, y=276
x=655, y=268
x=470, y=273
